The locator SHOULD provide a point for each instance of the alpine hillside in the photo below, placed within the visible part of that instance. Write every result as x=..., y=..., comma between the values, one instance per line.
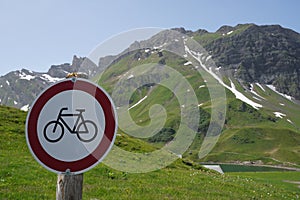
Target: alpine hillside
x=258, y=66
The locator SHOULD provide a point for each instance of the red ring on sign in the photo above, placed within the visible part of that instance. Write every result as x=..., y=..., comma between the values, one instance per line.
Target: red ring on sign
x=105, y=144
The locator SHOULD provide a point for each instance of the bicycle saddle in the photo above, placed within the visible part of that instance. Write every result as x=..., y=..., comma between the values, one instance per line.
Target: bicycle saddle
x=80, y=109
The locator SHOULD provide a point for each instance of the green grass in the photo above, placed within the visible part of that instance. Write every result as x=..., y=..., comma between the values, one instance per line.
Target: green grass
x=289, y=181
x=207, y=38
x=272, y=146
x=186, y=184
x=12, y=120
x=21, y=177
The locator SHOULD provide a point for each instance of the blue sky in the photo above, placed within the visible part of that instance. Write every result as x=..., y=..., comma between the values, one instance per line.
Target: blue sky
x=36, y=34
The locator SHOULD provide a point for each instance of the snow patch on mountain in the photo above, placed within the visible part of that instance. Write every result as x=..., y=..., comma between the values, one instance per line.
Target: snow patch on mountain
x=25, y=108
x=25, y=76
x=272, y=87
x=130, y=76
x=255, y=93
x=140, y=101
x=279, y=114
x=242, y=97
x=187, y=63
x=229, y=32
x=49, y=78
x=256, y=98
x=232, y=87
x=208, y=57
x=261, y=87
x=160, y=46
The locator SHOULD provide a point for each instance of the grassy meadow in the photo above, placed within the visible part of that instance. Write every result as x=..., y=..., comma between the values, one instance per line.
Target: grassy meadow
x=21, y=177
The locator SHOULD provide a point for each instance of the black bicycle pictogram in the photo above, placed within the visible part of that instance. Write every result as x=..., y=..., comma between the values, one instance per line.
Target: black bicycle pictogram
x=86, y=130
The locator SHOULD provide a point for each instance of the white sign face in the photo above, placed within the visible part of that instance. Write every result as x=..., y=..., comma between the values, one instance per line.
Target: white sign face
x=71, y=126
x=72, y=132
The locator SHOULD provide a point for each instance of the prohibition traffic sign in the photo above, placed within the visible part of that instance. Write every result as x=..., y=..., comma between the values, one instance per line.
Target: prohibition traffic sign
x=71, y=126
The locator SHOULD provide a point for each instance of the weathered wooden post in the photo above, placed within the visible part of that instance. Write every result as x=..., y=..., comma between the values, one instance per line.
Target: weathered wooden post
x=69, y=186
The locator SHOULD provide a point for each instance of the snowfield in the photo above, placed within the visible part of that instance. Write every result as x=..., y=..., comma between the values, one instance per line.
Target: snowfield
x=49, y=78
x=232, y=87
x=272, y=87
x=26, y=76
x=187, y=63
x=25, y=108
x=255, y=93
x=261, y=87
x=279, y=114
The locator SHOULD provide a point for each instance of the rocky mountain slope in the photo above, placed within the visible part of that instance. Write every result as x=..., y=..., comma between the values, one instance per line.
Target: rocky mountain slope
x=261, y=123
x=258, y=66
x=19, y=88
x=252, y=54
x=264, y=54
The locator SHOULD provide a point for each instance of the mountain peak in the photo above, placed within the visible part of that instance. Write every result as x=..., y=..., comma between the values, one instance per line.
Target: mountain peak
x=225, y=29
x=182, y=30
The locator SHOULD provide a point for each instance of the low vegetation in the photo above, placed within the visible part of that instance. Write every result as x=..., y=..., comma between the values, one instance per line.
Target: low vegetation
x=21, y=177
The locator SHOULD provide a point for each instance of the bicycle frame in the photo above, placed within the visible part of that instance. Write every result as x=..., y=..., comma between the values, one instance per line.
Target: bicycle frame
x=79, y=117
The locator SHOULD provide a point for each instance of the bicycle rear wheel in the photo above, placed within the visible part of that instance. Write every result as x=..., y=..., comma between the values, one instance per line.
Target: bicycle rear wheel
x=90, y=132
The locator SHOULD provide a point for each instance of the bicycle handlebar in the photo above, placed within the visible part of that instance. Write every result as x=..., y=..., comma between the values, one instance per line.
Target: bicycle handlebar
x=62, y=109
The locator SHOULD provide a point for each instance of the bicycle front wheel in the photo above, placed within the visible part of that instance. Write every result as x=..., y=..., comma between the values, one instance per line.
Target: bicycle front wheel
x=53, y=131
x=90, y=133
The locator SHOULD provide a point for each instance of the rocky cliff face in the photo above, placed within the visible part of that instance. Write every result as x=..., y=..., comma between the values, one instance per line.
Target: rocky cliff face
x=264, y=54
x=250, y=53
x=19, y=88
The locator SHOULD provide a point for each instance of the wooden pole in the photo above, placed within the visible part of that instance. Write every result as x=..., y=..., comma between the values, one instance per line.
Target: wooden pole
x=69, y=185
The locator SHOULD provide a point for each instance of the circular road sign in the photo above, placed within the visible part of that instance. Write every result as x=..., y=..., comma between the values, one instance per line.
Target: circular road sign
x=71, y=126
